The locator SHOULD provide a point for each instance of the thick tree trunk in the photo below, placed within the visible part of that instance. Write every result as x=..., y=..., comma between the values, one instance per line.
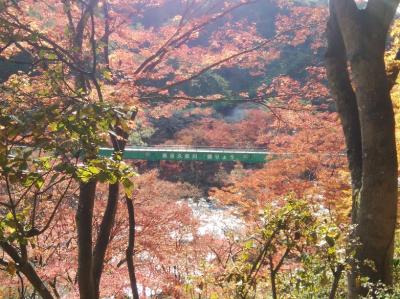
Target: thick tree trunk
x=346, y=102
x=359, y=36
x=84, y=216
x=342, y=91
x=377, y=212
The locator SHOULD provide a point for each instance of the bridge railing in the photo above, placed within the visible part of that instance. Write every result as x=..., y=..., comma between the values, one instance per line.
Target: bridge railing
x=194, y=148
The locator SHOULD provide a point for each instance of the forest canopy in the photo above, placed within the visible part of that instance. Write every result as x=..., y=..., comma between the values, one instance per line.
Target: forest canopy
x=310, y=85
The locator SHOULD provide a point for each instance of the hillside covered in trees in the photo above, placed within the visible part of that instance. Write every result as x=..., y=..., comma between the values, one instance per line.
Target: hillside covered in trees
x=310, y=85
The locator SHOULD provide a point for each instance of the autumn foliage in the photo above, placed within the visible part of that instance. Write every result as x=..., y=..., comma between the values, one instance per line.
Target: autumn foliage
x=193, y=73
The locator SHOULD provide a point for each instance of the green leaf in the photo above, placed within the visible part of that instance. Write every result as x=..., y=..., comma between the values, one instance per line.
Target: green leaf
x=84, y=175
x=53, y=126
x=39, y=182
x=331, y=250
x=9, y=216
x=214, y=296
x=54, y=177
x=330, y=241
x=128, y=186
x=112, y=179
x=248, y=244
x=94, y=170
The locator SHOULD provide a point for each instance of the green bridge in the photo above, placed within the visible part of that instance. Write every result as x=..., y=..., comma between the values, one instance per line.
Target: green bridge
x=181, y=153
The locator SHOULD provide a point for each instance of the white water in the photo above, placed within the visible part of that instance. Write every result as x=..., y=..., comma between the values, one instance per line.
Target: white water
x=215, y=220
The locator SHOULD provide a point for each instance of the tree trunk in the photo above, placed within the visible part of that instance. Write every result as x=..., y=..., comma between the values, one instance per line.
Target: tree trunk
x=377, y=211
x=273, y=285
x=272, y=276
x=131, y=247
x=346, y=103
x=360, y=36
x=103, y=238
x=84, y=216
